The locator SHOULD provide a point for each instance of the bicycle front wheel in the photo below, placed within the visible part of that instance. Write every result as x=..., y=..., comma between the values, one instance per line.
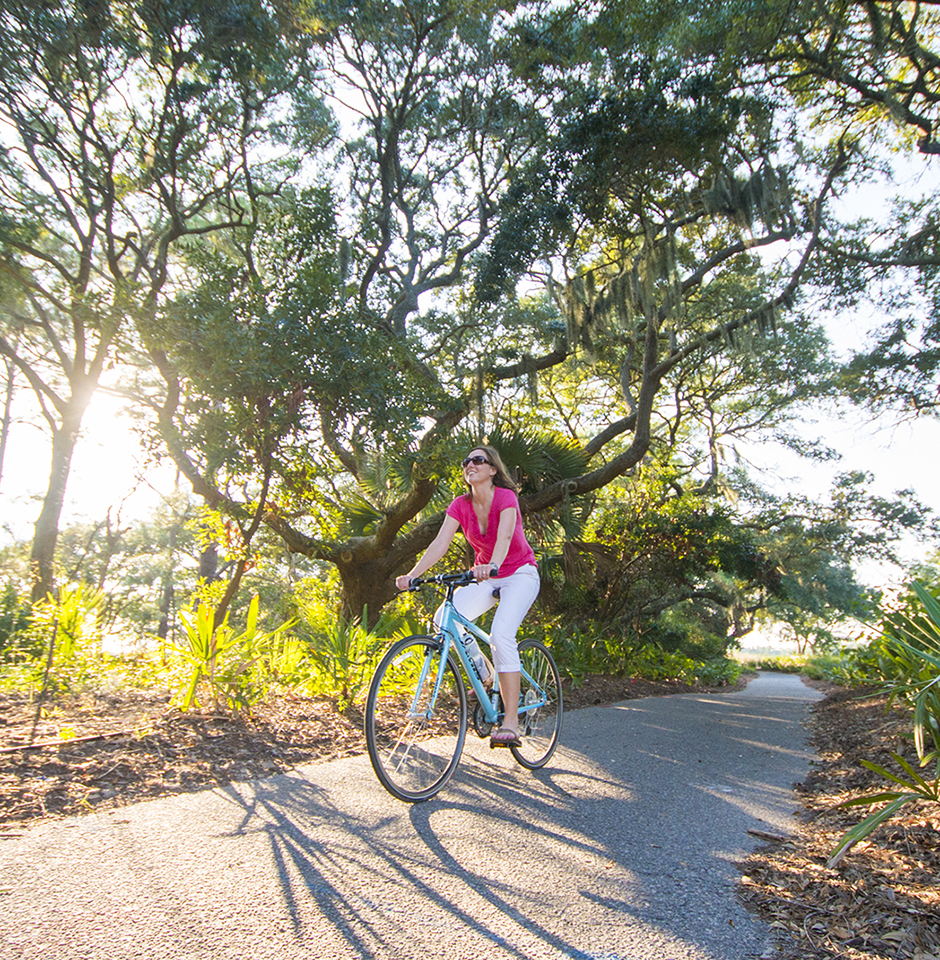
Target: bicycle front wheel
x=416, y=719
x=540, y=706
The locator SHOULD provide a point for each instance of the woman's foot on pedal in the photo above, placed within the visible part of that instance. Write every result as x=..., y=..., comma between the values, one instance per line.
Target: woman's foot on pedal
x=505, y=737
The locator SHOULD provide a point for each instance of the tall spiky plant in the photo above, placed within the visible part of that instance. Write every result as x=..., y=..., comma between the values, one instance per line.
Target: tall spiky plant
x=909, y=654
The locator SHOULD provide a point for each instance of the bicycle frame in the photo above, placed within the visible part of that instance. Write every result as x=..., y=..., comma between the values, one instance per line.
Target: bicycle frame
x=450, y=637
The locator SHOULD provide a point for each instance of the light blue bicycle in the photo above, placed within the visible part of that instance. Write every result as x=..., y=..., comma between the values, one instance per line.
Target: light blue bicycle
x=416, y=712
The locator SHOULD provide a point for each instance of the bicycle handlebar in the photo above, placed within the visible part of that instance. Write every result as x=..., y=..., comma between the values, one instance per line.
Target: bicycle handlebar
x=449, y=579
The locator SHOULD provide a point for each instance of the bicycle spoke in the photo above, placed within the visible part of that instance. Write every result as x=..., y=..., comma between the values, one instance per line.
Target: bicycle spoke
x=414, y=737
x=540, y=706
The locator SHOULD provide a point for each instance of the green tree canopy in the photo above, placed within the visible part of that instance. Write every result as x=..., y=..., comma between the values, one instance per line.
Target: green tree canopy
x=339, y=244
x=498, y=226
x=128, y=129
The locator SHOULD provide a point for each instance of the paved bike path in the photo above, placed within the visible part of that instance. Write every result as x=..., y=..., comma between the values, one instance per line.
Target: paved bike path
x=623, y=849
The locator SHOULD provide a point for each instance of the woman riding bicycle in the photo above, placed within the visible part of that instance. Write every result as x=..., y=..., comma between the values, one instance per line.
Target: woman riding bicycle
x=491, y=520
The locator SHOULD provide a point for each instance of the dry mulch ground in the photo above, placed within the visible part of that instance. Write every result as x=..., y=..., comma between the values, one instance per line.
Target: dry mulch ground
x=95, y=752
x=882, y=901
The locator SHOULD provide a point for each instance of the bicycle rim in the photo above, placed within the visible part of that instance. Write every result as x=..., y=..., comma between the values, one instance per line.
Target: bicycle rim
x=414, y=744
x=539, y=727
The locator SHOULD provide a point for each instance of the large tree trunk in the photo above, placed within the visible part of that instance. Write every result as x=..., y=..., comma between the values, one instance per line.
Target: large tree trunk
x=46, y=535
x=7, y=414
x=367, y=587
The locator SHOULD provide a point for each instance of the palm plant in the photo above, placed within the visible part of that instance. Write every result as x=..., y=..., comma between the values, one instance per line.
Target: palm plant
x=535, y=458
x=71, y=619
x=345, y=652
x=225, y=660
x=909, y=659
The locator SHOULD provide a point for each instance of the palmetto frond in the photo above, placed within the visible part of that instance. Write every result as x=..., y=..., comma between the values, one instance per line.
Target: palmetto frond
x=360, y=517
x=384, y=477
x=536, y=459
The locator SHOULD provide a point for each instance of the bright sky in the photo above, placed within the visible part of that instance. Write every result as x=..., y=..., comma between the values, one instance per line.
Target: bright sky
x=900, y=456
x=109, y=468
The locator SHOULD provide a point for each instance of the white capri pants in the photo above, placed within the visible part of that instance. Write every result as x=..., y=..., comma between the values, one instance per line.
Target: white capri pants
x=517, y=593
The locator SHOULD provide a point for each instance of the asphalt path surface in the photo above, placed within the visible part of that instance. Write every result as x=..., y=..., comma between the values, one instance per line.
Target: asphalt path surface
x=623, y=849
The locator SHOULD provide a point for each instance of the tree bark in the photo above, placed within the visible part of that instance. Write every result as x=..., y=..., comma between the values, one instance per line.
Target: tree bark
x=367, y=587
x=209, y=563
x=7, y=414
x=46, y=535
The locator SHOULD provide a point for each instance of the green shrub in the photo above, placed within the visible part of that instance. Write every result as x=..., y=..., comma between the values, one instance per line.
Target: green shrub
x=339, y=654
x=718, y=671
x=846, y=668
x=581, y=651
x=781, y=664
x=345, y=654
x=66, y=639
x=235, y=668
x=16, y=641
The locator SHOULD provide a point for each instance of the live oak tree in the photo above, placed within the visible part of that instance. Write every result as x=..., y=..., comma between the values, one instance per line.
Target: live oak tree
x=128, y=130
x=866, y=76
x=634, y=190
x=333, y=362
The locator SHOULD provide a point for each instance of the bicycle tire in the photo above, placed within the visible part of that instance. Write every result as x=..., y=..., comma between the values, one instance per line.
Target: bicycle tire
x=413, y=754
x=539, y=729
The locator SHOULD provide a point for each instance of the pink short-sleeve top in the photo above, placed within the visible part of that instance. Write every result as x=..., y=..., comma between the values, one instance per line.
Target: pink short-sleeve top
x=520, y=550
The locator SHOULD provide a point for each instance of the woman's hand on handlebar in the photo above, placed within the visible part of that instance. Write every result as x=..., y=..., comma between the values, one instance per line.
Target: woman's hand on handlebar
x=482, y=571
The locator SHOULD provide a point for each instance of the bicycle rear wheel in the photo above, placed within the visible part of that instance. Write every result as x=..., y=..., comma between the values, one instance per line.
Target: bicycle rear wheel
x=540, y=726
x=414, y=738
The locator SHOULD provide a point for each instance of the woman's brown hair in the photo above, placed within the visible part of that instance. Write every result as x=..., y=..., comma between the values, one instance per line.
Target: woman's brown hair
x=502, y=478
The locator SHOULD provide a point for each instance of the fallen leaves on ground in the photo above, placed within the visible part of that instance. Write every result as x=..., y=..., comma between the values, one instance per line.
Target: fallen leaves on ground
x=143, y=749
x=883, y=899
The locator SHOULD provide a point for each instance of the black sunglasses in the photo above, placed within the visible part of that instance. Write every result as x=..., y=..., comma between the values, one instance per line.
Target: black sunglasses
x=478, y=460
